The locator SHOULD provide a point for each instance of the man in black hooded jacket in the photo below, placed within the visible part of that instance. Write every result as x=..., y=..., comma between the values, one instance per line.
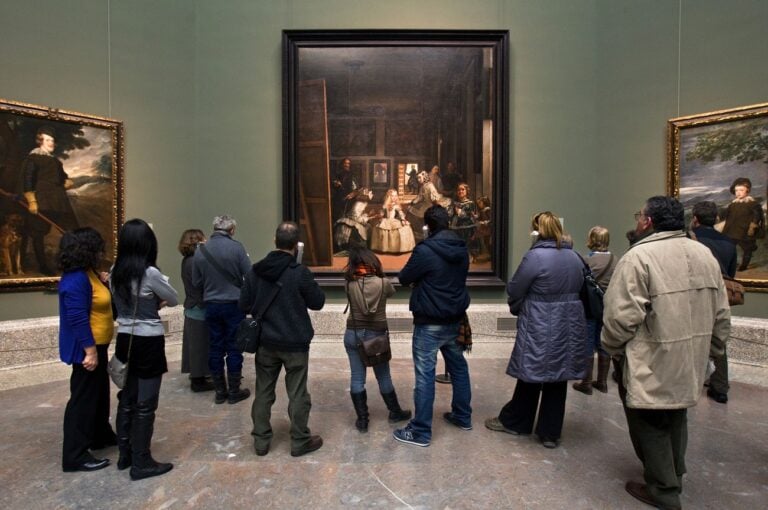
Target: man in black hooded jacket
x=286, y=332
x=437, y=271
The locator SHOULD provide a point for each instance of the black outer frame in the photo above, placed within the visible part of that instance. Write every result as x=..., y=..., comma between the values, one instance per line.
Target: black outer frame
x=293, y=40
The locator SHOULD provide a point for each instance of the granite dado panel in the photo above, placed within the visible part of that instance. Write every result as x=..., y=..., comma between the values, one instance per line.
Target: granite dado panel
x=29, y=348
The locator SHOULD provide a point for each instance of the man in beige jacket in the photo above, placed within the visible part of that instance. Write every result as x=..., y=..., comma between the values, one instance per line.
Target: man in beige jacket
x=666, y=312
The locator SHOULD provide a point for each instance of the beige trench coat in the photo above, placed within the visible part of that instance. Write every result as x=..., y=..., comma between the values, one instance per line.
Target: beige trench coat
x=666, y=312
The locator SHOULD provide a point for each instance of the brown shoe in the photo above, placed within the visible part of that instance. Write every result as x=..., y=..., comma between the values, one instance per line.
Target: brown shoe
x=315, y=442
x=583, y=386
x=640, y=491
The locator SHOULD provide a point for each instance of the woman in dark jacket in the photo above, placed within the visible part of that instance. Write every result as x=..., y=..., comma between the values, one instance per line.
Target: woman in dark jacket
x=195, y=340
x=549, y=347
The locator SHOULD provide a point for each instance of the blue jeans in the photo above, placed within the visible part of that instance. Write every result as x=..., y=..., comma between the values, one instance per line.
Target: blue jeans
x=427, y=340
x=222, y=320
x=593, y=337
x=356, y=367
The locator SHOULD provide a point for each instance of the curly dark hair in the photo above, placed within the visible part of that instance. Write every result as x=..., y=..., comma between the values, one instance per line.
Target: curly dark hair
x=666, y=213
x=189, y=241
x=82, y=248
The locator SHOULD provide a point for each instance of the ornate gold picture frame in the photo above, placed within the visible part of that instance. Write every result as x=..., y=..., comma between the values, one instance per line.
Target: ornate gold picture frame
x=59, y=170
x=709, y=154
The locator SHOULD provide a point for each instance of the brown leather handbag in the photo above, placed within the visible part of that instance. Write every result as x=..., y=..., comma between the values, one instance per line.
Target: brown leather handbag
x=735, y=291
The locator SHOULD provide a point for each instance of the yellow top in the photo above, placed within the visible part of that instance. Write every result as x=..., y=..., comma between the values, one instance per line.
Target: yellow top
x=102, y=323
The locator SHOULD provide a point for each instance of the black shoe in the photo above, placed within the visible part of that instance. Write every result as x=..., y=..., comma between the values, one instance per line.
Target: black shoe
x=261, y=451
x=548, y=442
x=89, y=465
x=148, y=470
x=236, y=394
x=720, y=398
x=201, y=384
x=315, y=442
x=450, y=418
x=640, y=491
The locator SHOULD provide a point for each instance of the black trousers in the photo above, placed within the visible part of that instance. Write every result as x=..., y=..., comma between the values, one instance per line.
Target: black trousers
x=86, y=417
x=519, y=413
x=660, y=439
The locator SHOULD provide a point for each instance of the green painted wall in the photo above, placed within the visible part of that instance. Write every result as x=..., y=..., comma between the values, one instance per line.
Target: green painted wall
x=198, y=85
x=63, y=59
x=643, y=80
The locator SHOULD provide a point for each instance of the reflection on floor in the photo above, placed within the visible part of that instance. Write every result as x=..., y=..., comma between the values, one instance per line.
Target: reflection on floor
x=216, y=466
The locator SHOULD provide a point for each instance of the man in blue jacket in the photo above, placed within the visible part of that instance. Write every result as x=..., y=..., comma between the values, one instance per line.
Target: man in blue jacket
x=437, y=272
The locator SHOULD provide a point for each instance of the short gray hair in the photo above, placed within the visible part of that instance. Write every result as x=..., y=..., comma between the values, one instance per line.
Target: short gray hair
x=224, y=222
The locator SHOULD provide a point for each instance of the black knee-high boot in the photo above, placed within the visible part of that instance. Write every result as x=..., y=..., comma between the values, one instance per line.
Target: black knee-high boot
x=142, y=427
x=123, y=427
x=220, y=385
x=395, y=412
x=360, y=401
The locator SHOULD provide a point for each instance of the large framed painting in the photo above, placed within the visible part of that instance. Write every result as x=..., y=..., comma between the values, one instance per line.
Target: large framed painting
x=723, y=157
x=381, y=124
x=59, y=170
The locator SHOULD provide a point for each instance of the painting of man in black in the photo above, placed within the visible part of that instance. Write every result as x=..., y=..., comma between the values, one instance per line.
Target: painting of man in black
x=45, y=190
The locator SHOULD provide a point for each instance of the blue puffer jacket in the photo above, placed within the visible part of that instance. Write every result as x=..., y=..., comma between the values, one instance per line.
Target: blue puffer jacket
x=551, y=330
x=438, y=271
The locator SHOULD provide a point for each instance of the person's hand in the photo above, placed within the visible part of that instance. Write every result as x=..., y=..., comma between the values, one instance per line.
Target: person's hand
x=68, y=183
x=31, y=199
x=104, y=276
x=91, y=360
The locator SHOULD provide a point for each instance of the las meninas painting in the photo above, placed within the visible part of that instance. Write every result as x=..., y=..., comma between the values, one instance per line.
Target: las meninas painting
x=381, y=125
x=58, y=171
x=723, y=157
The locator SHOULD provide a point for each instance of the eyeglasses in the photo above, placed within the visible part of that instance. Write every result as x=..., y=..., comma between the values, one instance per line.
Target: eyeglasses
x=639, y=214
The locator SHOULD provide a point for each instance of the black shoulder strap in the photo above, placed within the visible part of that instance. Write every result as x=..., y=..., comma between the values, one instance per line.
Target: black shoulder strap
x=227, y=276
x=270, y=298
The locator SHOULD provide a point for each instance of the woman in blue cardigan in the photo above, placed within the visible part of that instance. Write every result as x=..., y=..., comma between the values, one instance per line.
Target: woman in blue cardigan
x=85, y=331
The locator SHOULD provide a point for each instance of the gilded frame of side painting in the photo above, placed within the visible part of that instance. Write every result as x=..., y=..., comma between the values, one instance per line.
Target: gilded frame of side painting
x=709, y=155
x=77, y=183
x=361, y=107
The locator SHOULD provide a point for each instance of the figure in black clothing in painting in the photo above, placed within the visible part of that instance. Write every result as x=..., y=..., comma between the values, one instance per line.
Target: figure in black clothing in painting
x=45, y=190
x=342, y=185
x=744, y=220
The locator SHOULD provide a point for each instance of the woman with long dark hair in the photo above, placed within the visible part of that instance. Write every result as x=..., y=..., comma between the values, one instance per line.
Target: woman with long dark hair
x=367, y=292
x=140, y=290
x=85, y=331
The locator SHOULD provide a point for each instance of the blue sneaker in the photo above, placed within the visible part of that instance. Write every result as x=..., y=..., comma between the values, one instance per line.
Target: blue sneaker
x=405, y=435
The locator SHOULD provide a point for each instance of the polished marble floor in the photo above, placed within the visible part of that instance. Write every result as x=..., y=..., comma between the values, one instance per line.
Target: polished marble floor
x=216, y=467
